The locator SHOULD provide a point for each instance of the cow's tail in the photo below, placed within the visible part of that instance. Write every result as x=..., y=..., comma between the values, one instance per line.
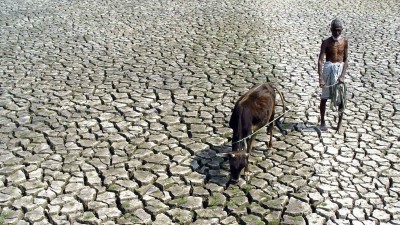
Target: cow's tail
x=283, y=100
x=277, y=122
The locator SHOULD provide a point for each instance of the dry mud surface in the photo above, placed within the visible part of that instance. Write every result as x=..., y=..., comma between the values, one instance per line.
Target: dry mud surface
x=112, y=112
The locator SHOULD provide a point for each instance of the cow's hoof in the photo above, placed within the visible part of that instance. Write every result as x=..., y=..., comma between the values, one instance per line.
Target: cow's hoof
x=247, y=175
x=234, y=181
x=284, y=132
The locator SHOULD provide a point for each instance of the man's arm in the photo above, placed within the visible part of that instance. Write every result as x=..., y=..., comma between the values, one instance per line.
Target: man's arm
x=345, y=65
x=320, y=62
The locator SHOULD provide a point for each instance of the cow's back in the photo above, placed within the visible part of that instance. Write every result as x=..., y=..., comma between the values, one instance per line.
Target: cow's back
x=257, y=103
x=259, y=96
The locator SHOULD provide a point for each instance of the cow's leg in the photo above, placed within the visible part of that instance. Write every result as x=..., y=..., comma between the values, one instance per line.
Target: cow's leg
x=270, y=136
x=249, y=147
x=270, y=128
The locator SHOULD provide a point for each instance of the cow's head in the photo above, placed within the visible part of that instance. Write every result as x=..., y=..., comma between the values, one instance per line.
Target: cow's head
x=238, y=160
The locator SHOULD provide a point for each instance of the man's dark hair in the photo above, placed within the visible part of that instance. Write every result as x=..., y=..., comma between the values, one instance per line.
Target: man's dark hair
x=336, y=23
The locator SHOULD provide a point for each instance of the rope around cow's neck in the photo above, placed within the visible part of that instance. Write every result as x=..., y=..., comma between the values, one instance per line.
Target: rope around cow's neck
x=343, y=100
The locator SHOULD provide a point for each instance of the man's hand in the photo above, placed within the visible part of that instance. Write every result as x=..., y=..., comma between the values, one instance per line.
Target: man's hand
x=321, y=83
x=341, y=79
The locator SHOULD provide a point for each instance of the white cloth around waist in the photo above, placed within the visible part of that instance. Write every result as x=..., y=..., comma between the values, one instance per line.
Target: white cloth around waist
x=331, y=74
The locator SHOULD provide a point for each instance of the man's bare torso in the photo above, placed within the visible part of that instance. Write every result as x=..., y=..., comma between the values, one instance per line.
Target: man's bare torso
x=334, y=50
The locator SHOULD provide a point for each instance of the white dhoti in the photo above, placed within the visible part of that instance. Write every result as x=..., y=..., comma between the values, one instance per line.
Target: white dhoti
x=331, y=74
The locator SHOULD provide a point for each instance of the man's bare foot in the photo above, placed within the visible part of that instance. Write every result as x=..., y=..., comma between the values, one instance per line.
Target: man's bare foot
x=339, y=125
x=338, y=128
x=323, y=127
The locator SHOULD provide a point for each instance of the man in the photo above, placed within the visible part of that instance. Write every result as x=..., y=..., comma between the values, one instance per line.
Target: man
x=334, y=69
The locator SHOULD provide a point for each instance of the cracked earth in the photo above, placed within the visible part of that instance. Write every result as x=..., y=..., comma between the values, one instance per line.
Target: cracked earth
x=113, y=112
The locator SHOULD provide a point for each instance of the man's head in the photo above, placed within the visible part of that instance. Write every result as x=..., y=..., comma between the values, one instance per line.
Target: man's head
x=336, y=28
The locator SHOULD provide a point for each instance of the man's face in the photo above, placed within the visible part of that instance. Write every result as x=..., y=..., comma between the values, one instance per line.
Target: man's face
x=336, y=31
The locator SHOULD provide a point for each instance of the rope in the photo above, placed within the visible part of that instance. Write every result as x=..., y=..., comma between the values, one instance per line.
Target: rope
x=339, y=97
x=253, y=133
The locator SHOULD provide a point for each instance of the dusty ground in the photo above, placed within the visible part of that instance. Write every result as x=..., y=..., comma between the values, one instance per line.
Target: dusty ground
x=112, y=112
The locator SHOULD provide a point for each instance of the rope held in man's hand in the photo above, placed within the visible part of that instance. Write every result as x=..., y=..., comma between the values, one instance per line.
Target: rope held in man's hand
x=339, y=97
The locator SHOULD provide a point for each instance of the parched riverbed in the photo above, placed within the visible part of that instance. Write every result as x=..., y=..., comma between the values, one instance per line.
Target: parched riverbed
x=112, y=112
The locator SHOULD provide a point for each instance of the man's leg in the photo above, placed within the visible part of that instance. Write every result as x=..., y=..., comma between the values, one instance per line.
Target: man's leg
x=339, y=125
x=322, y=109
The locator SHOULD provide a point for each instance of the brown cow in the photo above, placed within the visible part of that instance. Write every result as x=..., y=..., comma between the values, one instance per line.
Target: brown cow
x=252, y=111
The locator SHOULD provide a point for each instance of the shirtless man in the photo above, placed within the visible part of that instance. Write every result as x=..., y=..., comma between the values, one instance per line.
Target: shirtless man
x=334, y=69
